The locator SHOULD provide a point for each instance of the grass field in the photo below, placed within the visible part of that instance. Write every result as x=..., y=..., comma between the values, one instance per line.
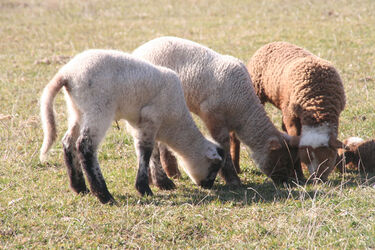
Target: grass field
x=37, y=208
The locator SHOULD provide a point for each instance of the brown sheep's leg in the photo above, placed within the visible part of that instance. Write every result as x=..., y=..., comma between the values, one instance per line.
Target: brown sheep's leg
x=293, y=127
x=168, y=162
x=235, y=151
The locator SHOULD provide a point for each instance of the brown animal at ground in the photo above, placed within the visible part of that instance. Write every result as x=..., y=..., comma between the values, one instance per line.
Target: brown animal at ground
x=358, y=155
x=309, y=92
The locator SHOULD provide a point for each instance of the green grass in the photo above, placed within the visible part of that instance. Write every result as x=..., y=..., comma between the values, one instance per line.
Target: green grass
x=37, y=209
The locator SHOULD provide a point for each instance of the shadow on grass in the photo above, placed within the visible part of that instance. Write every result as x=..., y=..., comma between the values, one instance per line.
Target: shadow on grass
x=48, y=165
x=247, y=194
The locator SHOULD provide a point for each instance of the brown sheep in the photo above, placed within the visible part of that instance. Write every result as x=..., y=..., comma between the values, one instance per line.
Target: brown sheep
x=309, y=92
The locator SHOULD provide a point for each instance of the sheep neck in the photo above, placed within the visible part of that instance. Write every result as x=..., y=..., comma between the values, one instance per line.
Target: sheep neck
x=184, y=138
x=255, y=127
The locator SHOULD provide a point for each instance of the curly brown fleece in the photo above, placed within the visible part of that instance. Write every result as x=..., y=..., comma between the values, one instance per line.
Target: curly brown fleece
x=360, y=156
x=299, y=83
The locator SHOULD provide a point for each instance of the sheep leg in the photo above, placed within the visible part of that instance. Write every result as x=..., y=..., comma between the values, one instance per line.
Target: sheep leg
x=92, y=133
x=77, y=181
x=144, y=156
x=292, y=126
x=235, y=151
x=221, y=135
x=158, y=176
x=168, y=162
x=144, y=140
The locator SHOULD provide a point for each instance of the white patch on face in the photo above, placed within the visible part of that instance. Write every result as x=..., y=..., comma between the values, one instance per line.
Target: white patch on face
x=354, y=140
x=315, y=136
x=196, y=175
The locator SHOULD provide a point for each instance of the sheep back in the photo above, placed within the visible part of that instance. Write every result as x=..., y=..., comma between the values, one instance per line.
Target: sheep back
x=298, y=82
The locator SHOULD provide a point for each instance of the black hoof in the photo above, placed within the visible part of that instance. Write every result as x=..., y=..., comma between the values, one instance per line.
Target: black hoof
x=82, y=189
x=143, y=189
x=166, y=184
x=113, y=202
x=235, y=183
x=106, y=198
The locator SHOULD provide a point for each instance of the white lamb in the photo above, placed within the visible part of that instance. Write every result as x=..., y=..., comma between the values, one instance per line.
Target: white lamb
x=218, y=89
x=103, y=85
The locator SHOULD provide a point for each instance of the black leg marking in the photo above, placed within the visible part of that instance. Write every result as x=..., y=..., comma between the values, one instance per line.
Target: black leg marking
x=77, y=181
x=141, y=183
x=158, y=176
x=87, y=156
x=229, y=173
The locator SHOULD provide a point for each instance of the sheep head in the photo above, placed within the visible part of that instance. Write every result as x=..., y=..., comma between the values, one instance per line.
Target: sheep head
x=282, y=157
x=320, y=160
x=203, y=168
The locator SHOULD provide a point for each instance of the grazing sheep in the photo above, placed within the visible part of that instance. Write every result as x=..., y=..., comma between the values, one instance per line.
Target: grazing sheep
x=309, y=92
x=103, y=85
x=358, y=154
x=218, y=89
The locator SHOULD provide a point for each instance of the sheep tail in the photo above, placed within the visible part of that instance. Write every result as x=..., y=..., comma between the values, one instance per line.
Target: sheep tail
x=47, y=114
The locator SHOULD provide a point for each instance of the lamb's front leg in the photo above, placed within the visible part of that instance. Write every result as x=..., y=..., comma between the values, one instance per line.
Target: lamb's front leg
x=235, y=151
x=168, y=162
x=221, y=134
x=158, y=176
x=144, y=151
x=228, y=172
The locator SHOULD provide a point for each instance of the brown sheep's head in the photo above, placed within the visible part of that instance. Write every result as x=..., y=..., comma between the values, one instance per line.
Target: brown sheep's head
x=320, y=161
x=348, y=156
x=282, y=158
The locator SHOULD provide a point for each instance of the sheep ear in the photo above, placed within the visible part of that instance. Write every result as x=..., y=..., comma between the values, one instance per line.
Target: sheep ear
x=335, y=143
x=274, y=144
x=214, y=154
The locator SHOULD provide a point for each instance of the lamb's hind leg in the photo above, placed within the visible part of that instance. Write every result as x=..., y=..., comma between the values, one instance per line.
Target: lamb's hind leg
x=158, y=176
x=77, y=181
x=92, y=132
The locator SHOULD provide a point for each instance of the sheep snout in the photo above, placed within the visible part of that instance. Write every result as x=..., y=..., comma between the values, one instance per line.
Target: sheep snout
x=208, y=182
x=319, y=161
x=281, y=165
